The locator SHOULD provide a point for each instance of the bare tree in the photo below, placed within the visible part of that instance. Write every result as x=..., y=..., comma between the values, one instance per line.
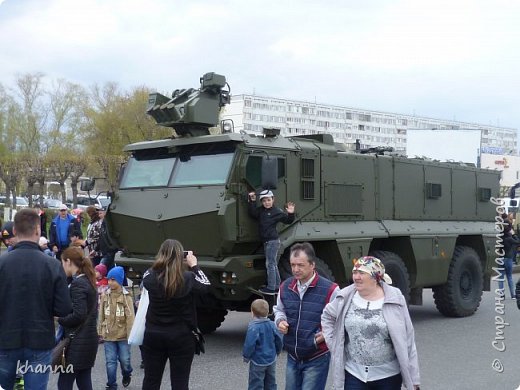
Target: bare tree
x=79, y=166
x=32, y=113
x=11, y=168
x=66, y=102
x=60, y=167
x=35, y=169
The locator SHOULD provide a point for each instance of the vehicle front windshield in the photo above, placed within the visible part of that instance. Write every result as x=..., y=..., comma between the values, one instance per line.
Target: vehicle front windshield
x=147, y=173
x=105, y=202
x=207, y=169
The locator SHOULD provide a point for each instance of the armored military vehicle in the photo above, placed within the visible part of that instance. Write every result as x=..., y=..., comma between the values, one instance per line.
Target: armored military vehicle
x=429, y=222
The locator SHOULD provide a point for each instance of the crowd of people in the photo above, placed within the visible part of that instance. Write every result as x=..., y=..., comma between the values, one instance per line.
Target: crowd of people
x=363, y=332
x=84, y=295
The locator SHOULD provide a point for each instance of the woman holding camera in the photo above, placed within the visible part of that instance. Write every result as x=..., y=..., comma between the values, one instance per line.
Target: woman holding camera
x=172, y=283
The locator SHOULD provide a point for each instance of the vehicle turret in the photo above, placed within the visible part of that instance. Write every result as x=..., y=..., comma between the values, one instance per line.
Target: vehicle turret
x=191, y=111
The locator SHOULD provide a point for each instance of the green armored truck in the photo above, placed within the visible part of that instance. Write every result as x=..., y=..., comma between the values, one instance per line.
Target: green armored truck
x=431, y=223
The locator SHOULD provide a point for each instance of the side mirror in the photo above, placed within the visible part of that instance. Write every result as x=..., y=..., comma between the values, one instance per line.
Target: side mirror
x=87, y=185
x=269, y=172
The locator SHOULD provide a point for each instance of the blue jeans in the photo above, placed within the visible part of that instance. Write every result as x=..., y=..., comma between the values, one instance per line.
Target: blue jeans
x=307, y=375
x=508, y=268
x=28, y=362
x=262, y=377
x=271, y=250
x=391, y=383
x=114, y=351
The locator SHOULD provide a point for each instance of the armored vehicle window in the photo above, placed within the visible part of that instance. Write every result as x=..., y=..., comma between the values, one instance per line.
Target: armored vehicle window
x=254, y=170
x=147, y=173
x=207, y=169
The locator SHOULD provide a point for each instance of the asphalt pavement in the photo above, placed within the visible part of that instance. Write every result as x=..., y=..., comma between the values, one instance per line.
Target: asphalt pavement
x=454, y=353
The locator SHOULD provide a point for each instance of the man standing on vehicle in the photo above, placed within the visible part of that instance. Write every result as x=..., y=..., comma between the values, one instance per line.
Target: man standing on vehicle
x=300, y=304
x=33, y=289
x=64, y=230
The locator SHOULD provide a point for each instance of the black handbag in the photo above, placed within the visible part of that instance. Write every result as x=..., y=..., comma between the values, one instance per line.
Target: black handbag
x=58, y=355
x=59, y=352
x=199, y=341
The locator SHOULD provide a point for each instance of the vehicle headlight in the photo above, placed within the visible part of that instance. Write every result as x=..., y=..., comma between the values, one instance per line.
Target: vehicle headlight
x=228, y=278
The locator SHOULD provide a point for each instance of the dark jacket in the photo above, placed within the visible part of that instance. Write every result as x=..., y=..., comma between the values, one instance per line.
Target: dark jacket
x=43, y=223
x=83, y=347
x=179, y=309
x=74, y=230
x=304, y=316
x=268, y=219
x=33, y=289
x=510, y=244
x=106, y=244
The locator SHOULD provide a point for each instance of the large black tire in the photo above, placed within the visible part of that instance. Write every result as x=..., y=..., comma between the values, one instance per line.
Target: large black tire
x=461, y=294
x=208, y=320
x=396, y=269
x=284, y=267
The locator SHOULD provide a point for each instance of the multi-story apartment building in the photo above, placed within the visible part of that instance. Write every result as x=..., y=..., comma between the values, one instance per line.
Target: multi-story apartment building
x=252, y=113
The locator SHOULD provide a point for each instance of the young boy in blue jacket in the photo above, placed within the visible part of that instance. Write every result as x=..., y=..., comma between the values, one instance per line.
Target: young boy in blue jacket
x=263, y=343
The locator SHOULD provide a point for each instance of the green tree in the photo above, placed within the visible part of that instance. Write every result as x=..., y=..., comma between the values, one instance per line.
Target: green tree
x=115, y=119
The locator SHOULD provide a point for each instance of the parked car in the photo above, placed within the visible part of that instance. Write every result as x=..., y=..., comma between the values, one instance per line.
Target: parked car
x=21, y=202
x=100, y=201
x=52, y=203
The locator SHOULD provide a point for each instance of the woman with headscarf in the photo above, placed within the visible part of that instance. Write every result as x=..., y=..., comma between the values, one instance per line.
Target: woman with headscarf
x=370, y=334
x=172, y=284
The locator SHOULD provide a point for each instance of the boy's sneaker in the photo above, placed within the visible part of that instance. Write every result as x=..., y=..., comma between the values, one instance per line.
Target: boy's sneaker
x=126, y=380
x=267, y=291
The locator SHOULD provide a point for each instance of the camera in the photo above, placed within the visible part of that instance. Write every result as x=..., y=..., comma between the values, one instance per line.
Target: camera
x=185, y=253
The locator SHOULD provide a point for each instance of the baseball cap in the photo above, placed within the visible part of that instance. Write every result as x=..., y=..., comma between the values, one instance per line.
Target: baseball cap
x=63, y=207
x=266, y=194
x=7, y=230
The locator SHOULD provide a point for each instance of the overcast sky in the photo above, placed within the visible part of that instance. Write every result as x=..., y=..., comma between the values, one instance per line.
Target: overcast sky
x=450, y=59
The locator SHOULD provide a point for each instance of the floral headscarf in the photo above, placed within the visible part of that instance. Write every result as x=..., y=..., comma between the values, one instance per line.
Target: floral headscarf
x=372, y=266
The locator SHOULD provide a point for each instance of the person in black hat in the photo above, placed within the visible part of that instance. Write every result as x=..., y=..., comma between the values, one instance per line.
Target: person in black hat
x=8, y=236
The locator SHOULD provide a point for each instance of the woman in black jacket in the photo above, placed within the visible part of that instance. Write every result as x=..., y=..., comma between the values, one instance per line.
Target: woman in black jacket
x=172, y=283
x=81, y=353
x=510, y=245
